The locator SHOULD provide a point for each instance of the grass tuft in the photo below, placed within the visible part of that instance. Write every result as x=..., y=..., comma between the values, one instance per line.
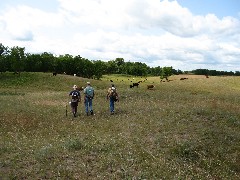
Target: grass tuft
x=73, y=144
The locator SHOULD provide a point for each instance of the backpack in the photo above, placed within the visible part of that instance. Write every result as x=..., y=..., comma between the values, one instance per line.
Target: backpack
x=75, y=96
x=89, y=92
x=113, y=94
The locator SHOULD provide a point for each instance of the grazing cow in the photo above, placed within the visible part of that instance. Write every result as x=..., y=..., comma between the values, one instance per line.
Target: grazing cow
x=80, y=88
x=183, y=78
x=150, y=86
x=135, y=84
x=54, y=73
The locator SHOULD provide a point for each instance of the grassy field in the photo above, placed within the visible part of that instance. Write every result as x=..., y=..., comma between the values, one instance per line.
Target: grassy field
x=186, y=129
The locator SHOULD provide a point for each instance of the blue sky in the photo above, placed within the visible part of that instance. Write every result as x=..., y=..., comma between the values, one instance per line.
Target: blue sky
x=185, y=34
x=220, y=8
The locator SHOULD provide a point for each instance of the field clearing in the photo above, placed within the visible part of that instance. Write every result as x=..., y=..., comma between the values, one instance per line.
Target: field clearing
x=182, y=129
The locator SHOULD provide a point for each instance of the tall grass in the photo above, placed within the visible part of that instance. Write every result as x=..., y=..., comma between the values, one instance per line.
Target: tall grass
x=179, y=130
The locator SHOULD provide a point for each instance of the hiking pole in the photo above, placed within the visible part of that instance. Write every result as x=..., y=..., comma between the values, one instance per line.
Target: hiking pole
x=66, y=110
x=67, y=107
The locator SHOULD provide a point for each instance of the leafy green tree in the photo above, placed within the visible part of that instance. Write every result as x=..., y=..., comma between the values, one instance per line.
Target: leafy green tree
x=99, y=68
x=17, y=57
x=82, y=67
x=237, y=73
x=127, y=68
x=119, y=62
x=201, y=71
x=155, y=71
x=65, y=64
x=166, y=72
x=47, y=62
x=88, y=68
x=3, y=58
x=139, y=69
x=33, y=63
x=111, y=67
x=78, y=66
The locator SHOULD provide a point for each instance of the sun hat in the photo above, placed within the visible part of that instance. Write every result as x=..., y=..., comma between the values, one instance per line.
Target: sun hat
x=74, y=86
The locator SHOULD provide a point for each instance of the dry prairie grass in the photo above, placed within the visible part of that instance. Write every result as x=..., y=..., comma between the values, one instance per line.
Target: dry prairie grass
x=180, y=130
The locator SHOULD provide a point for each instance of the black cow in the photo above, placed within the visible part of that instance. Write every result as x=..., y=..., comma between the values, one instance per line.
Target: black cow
x=135, y=84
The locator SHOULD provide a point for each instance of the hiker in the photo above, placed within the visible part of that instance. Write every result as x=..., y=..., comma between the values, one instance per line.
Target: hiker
x=112, y=96
x=89, y=95
x=75, y=98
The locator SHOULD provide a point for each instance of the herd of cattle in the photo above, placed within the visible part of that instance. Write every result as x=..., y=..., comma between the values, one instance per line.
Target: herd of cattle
x=134, y=84
x=138, y=83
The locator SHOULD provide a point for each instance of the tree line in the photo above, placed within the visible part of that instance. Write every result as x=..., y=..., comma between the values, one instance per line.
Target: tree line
x=215, y=73
x=15, y=59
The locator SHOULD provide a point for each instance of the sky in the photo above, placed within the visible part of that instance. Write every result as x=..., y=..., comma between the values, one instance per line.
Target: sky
x=184, y=34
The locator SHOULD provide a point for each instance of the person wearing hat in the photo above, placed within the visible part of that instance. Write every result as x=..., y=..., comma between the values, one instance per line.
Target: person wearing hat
x=112, y=96
x=75, y=98
x=89, y=95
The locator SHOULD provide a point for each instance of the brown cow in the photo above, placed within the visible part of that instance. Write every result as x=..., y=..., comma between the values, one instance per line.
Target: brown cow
x=150, y=86
x=80, y=88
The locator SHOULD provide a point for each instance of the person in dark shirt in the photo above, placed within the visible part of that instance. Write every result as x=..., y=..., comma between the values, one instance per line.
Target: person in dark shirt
x=75, y=98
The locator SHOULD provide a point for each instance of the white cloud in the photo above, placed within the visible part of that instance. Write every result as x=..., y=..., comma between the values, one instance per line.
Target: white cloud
x=159, y=33
x=23, y=22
